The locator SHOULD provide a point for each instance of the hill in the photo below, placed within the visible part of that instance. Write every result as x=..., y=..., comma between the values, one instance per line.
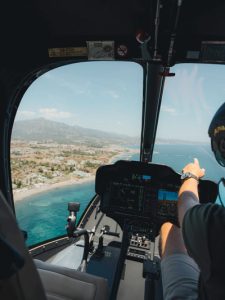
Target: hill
x=43, y=130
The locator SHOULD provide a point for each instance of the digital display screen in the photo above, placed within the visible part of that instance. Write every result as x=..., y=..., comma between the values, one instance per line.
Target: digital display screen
x=165, y=195
x=146, y=177
x=126, y=196
x=141, y=178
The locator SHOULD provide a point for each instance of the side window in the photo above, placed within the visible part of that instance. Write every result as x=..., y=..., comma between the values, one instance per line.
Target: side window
x=70, y=121
x=190, y=100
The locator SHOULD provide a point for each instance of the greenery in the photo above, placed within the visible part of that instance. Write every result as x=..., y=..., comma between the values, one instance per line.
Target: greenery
x=33, y=164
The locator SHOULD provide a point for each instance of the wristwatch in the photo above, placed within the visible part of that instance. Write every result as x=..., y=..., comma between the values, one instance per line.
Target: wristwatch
x=188, y=175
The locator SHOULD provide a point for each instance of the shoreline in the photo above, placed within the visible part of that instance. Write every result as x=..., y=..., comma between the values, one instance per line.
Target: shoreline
x=22, y=194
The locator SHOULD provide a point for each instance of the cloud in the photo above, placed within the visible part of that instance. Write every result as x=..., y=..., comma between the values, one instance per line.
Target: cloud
x=53, y=113
x=48, y=113
x=25, y=114
x=169, y=110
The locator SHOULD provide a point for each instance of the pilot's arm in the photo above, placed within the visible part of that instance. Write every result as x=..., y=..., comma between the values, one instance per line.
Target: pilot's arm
x=180, y=274
x=188, y=193
x=203, y=228
x=189, y=210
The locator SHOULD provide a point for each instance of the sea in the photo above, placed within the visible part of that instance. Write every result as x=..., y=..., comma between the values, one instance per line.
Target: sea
x=44, y=215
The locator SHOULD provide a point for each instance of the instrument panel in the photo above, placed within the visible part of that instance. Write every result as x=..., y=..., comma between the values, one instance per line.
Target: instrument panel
x=143, y=192
x=141, y=195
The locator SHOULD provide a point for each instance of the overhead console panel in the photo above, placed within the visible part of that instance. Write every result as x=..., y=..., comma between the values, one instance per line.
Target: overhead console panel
x=164, y=32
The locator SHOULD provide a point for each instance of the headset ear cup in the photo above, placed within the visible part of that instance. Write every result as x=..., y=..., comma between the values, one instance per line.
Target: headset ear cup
x=216, y=133
x=214, y=145
x=218, y=147
x=222, y=146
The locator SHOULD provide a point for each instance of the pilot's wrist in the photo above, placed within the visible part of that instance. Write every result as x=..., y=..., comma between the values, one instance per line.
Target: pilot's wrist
x=189, y=175
x=191, y=180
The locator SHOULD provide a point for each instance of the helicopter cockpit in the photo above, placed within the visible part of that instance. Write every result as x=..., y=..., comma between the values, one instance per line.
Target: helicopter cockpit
x=101, y=64
x=134, y=200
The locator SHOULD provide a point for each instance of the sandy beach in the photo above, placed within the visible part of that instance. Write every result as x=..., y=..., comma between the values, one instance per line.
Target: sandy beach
x=22, y=194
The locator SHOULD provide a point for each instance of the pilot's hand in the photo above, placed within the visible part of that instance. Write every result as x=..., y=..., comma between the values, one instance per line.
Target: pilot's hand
x=194, y=168
x=188, y=193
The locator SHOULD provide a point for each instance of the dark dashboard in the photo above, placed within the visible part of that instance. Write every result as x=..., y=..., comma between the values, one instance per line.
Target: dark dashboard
x=141, y=195
x=140, y=192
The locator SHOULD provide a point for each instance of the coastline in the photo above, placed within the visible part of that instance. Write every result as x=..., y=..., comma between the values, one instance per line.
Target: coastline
x=23, y=194
x=20, y=195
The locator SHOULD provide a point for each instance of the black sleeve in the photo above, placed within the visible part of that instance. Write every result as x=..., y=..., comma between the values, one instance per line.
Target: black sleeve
x=204, y=236
x=200, y=224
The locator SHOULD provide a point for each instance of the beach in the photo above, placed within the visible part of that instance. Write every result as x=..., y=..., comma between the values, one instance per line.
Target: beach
x=23, y=193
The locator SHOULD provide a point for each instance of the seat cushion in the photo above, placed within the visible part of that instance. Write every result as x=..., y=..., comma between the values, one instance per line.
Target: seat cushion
x=22, y=281
x=62, y=283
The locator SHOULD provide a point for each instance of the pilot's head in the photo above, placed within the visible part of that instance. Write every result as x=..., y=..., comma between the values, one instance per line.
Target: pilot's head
x=217, y=134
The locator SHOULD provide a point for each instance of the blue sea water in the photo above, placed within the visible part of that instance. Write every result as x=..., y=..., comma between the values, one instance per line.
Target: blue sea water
x=44, y=216
x=177, y=156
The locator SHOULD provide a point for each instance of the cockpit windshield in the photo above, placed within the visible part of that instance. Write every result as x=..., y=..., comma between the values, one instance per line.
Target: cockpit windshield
x=70, y=121
x=78, y=117
x=190, y=100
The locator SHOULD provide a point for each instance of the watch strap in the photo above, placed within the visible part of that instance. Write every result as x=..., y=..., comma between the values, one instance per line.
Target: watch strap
x=188, y=175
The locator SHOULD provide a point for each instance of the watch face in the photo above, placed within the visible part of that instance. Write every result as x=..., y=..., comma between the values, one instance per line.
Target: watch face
x=188, y=175
x=185, y=175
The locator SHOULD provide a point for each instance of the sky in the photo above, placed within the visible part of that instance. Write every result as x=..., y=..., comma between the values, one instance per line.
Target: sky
x=190, y=100
x=108, y=96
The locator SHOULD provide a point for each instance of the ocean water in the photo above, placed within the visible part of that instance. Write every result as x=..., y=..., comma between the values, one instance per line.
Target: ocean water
x=44, y=216
x=177, y=156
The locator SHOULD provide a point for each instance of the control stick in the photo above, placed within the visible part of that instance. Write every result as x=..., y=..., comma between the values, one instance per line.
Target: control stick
x=105, y=230
x=73, y=208
x=73, y=231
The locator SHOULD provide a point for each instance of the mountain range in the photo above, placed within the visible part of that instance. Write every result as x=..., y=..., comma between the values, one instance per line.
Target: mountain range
x=43, y=130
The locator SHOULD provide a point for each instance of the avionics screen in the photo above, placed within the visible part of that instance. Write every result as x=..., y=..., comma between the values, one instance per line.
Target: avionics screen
x=165, y=195
x=141, y=178
x=126, y=196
